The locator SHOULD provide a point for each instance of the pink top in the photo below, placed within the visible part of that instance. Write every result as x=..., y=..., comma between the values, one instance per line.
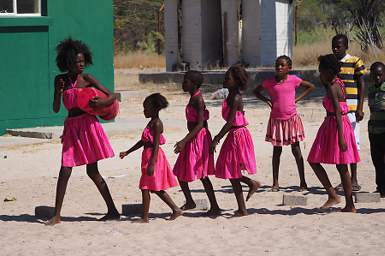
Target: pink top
x=148, y=137
x=282, y=95
x=328, y=104
x=69, y=97
x=192, y=114
x=239, y=119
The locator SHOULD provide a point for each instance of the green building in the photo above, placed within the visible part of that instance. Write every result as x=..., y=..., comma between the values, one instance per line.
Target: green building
x=29, y=33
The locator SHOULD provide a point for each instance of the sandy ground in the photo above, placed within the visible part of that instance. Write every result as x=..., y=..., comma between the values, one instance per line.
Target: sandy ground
x=29, y=169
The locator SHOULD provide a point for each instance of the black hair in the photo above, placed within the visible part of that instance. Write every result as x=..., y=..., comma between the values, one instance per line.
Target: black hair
x=67, y=51
x=157, y=101
x=285, y=58
x=240, y=76
x=194, y=76
x=329, y=62
x=343, y=38
x=376, y=65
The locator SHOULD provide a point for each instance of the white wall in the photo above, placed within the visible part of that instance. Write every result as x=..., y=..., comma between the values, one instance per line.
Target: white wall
x=231, y=46
x=251, y=32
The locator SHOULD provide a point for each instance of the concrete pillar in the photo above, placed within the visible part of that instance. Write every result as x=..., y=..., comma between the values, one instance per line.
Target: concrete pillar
x=251, y=32
x=171, y=33
x=230, y=29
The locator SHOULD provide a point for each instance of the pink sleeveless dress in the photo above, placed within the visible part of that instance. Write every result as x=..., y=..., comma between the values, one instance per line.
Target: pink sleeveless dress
x=237, y=152
x=195, y=161
x=84, y=140
x=163, y=178
x=325, y=147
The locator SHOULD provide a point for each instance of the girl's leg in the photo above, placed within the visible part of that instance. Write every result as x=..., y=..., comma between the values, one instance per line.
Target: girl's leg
x=253, y=186
x=347, y=185
x=333, y=198
x=277, y=150
x=354, y=180
x=64, y=175
x=190, y=204
x=146, y=204
x=296, y=150
x=176, y=211
x=214, y=207
x=93, y=173
x=237, y=188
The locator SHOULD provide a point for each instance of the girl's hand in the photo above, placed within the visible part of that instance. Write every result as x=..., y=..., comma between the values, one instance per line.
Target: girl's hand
x=123, y=154
x=96, y=102
x=150, y=170
x=179, y=146
x=342, y=144
x=59, y=85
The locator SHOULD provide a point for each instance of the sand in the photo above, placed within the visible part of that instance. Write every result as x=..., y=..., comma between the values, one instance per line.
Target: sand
x=29, y=169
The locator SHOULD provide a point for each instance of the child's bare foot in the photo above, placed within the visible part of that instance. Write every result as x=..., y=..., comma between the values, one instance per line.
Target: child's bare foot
x=188, y=206
x=110, y=216
x=239, y=213
x=176, y=214
x=274, y=188
x=53, y=221
x=331, y=202
x=252, y=189
x=213, y=212
x=349, y=209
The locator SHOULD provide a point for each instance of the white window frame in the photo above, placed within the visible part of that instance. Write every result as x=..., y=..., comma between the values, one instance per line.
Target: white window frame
x=15, y=14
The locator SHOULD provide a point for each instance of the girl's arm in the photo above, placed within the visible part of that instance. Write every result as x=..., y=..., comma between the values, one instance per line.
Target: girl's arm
x=361, y=98
x=309, y=87
x=199, y=105
x=137, y=146
x=258, y=93
x=333, y=92
x=229, y=123
x=98, y=102
x=59, y=88
x=157, y=129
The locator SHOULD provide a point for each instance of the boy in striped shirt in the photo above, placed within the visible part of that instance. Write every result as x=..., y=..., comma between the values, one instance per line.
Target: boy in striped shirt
x=351, y=73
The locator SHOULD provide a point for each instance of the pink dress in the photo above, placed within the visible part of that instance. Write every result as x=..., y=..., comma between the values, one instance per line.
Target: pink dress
x=237, y=151
x=325, y=147
x=84, y=140
x=285, y=125
x=163, y=177
x=195, y=161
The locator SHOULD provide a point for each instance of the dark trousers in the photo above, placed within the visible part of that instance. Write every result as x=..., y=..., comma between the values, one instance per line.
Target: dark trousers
x=377, y=150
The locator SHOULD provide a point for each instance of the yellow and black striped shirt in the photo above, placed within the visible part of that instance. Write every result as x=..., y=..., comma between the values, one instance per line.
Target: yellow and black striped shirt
x=351, y=70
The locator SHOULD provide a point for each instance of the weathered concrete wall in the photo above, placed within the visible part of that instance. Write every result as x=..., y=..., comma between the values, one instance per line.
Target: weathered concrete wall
x=268, y=33
x=230, y=28
x=284, y=21
x=251, y=32
x=171, y=33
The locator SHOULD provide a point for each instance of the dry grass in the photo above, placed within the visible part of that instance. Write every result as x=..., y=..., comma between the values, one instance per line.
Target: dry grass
x=139, y=60
x=306, y=55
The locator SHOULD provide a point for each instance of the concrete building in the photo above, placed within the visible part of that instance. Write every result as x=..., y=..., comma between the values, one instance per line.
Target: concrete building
x=29, y=33
x=205, y=34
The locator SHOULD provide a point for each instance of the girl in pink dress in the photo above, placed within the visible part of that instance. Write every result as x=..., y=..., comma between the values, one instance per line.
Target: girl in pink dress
x=157, y=175
x=285, y=125
x=335, y=141
x=84, y=141
x=237, y=152
x=195, y=161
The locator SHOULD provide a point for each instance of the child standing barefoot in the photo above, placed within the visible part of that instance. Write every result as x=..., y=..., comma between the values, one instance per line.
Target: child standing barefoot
x=285, y=125
x=335, y=142
x=84, y=141
x=237, y=151
x=156, y=171
x=195, y=161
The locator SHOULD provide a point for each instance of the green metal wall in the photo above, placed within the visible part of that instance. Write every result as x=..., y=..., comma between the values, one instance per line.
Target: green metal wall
x=27, y=63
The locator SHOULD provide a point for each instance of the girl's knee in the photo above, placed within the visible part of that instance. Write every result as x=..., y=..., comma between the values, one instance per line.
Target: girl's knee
x=277, y=151
x=65, y=172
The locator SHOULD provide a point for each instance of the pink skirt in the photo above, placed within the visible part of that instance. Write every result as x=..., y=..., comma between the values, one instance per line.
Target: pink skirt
x=285, y=132
x=325, y=147
x=84, y=141
x=236, y=155
x=163, y=178
x=195, y=161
